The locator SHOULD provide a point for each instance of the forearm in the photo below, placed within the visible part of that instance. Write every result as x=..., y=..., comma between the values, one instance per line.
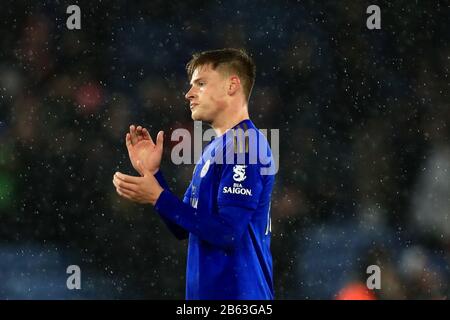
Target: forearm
x=159, y=176
x=176, y=230
x=211, y=228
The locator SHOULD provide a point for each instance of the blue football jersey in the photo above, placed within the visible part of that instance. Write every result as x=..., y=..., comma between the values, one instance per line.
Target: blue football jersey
x=226, y=211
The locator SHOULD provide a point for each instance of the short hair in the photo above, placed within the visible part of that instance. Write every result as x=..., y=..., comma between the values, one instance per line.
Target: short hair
x=233, y=60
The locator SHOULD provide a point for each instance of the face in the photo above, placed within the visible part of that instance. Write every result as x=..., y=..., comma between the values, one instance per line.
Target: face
x=207, y=95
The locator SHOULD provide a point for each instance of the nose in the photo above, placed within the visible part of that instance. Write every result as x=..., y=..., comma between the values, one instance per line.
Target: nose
x=190, y=94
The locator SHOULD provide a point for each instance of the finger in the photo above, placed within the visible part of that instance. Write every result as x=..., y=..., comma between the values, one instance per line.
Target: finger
x=123, y=185
x=146, y=134
x=139, y=135
x=124, y=194
x=128, y=140
x=133, y=134
x=127, y=178
x=160, y=139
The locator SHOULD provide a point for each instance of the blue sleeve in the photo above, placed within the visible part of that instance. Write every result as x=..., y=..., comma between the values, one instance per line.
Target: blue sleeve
x=177, y=231
x=239, y=192
x=224, y=230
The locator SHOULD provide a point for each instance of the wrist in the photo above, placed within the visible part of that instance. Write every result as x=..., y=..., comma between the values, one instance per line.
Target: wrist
x=156, y=195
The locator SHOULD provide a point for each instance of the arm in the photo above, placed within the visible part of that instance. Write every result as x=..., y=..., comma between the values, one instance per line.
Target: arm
x=235, y=210
x=226, y=227
x=177, y=231
x=224, y=230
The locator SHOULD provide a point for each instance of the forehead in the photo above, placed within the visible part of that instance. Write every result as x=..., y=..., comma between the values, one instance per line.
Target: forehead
x=204, y=71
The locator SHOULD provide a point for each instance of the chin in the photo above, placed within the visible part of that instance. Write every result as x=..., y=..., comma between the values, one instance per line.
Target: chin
x=196, y=116
x=200, y=116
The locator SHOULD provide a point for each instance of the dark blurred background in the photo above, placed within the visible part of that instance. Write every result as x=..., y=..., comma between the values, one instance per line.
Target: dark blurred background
x=364, y=142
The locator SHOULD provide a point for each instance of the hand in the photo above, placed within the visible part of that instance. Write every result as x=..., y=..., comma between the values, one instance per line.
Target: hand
x=141, y=147
x=145, y=189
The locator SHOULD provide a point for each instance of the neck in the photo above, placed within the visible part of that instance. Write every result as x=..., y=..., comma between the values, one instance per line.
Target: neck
x=222, y=124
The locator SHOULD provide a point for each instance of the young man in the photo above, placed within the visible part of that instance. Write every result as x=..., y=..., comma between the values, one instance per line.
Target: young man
x=226, y=208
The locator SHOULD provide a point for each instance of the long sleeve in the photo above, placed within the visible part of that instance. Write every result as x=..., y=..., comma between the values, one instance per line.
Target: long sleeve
x=224, y=230
x=176, y=230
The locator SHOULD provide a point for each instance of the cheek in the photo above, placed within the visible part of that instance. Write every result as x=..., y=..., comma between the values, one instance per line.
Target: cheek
x=218, y=95
x=220, y=101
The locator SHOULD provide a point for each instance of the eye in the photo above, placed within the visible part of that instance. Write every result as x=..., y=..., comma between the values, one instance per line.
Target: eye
x=201, y=83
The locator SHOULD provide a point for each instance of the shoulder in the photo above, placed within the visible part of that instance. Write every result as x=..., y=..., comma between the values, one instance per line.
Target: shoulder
x=245, y=149
x=246, y=142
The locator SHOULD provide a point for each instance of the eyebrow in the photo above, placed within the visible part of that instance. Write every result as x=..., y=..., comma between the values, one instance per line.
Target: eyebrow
x=198, y=80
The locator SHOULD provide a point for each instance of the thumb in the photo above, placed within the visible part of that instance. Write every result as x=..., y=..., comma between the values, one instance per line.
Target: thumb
x=160, y=139
x=141, y=168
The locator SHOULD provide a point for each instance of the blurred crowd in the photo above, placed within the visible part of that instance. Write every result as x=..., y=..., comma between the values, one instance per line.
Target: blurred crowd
x=363, y=115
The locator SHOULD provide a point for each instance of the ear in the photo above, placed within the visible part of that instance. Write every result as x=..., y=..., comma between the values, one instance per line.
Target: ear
x=234, y=84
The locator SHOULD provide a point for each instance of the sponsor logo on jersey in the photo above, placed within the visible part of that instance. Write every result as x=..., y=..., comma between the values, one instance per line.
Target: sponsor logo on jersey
x=237, y=189
x=239, y=173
